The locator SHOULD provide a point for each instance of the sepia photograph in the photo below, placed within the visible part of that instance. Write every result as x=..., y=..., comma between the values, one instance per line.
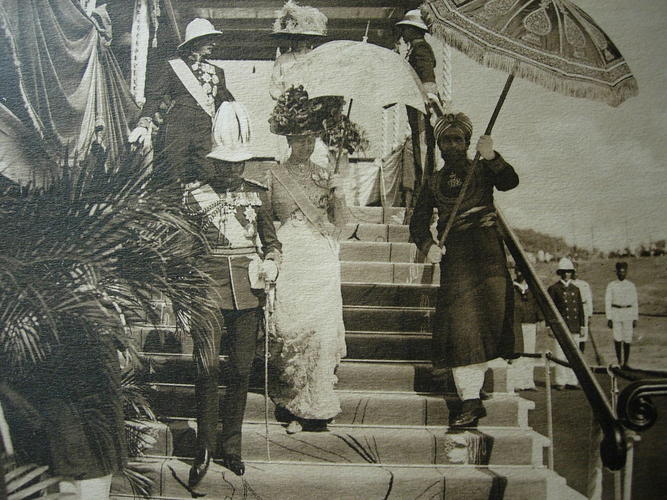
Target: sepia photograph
x=333, y=249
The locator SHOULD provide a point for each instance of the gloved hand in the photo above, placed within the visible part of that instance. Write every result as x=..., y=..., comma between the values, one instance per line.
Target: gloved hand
x=435, y=254
x=269, y=270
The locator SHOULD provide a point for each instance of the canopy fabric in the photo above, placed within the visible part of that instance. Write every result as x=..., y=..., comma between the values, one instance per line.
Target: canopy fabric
x=68, y=80
x=550, y=42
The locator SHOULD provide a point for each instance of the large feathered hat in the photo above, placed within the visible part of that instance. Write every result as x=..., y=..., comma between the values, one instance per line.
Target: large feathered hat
x=231, y=133
x=295, y=19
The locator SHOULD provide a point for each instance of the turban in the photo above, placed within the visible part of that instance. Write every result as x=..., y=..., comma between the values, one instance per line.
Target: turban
x=458, y=121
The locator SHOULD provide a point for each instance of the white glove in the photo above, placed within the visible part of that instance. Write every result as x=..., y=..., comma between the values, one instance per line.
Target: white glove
x=139, y=135
x=269, y=270
x=435, y=254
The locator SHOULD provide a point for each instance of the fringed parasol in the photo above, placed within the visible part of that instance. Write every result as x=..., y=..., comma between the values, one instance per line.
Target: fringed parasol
x=552, y=43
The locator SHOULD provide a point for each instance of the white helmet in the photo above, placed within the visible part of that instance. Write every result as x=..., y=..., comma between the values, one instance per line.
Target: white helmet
x=231, y=133
x=413, y=18
x=198, y=28
x=565, y=264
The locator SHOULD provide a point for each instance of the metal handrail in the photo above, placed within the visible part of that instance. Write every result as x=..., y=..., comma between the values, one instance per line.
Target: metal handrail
x=613, y=448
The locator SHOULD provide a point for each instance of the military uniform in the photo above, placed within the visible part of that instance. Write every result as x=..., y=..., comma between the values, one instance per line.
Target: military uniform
x=238, y=229
x=184, y=139
x=567, y=299
x=421, y=58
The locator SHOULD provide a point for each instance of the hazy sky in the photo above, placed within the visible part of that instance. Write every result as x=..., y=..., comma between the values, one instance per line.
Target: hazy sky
x=588, y=171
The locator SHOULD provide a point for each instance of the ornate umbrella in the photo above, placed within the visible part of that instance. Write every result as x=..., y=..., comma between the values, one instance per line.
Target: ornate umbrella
x=550, y=42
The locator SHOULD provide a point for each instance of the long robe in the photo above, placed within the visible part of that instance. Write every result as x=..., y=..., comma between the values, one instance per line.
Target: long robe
x=473, y=320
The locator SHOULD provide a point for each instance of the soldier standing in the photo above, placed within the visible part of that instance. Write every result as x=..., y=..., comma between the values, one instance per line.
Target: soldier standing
x=622, y=310
x=240, y=248
x=567, y=298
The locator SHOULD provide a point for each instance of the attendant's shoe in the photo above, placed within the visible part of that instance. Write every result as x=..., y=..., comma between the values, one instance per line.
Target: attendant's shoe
x=528, y=389
x=234, y=464
x=559, y=387
x=471, y=411
x=199, y=468
x=483, y=395
x=294, y=427
x=315, y=425
x=573, y=387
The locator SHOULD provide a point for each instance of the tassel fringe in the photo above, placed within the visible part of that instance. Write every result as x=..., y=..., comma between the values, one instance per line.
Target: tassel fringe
x=551, y=80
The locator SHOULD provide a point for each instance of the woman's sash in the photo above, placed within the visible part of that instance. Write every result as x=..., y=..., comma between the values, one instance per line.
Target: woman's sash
x=316, y=217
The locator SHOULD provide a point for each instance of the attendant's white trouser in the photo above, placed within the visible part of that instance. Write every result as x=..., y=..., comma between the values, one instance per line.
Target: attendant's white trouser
x=622, y=330
x=522, y=369
x=563, y=375
x=469, y=380
x=98, y=488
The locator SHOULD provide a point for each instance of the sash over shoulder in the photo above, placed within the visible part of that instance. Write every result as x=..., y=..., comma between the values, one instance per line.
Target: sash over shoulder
x=193, y=86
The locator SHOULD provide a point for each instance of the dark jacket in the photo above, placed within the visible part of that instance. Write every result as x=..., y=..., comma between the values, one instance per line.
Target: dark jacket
x=526, y=309
x=422, y=59
x=569, y=304
x=226, y=262
x=166, y=89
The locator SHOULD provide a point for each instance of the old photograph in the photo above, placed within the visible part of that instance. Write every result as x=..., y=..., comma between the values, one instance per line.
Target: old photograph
x=333, y=249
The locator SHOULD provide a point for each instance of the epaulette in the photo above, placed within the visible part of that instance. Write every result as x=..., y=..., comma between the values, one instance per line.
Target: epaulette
x=256, y=183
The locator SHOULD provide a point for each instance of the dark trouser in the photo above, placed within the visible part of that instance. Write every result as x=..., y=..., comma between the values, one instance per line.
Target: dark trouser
x=423, y=145
x=242, y=327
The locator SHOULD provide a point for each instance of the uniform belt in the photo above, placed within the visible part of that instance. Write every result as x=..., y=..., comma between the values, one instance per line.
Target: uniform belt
x=233, y=251
x=619, y=307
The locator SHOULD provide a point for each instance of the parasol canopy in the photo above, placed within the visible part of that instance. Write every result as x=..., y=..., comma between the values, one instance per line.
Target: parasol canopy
x=550, y=42
x=360, y=71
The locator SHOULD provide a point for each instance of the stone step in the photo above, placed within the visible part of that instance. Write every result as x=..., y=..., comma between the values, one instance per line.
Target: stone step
x=391, y=294
x=381, y=444
x=365, y=251
x=388, y=319
x=375, y=232
x=356, y=375
x=317, y=481
x=403, y=273
x=359, y=408
x=376, y=215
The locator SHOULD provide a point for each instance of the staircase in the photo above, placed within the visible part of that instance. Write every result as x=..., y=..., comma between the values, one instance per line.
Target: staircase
x=391, y=440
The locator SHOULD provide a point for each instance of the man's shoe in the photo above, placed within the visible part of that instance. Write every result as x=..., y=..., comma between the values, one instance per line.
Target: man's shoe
x=199, y=468
x=559, y=387
x=483, y=395
x=234, y=464
x=471, y=412
x=573, y=387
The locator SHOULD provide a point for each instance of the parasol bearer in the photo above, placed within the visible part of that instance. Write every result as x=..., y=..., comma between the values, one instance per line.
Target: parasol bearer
x=421, y=58
x=181, y=100
x=240, y=250
x=474, y=314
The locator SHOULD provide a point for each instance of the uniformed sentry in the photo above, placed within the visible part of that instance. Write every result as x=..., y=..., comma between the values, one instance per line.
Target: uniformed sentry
x=239, y=246
x=567, y=298
x=622, y=311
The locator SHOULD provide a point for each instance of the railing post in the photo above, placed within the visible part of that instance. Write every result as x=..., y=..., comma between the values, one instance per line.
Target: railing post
x=550, y=423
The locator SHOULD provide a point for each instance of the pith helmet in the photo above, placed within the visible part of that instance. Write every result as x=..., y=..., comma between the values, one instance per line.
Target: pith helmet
x=565, y=264
x=231, y=133
x=413, y=18
x=198, y=28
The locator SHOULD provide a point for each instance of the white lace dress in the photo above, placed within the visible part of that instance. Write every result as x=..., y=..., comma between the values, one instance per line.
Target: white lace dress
x=309, y=339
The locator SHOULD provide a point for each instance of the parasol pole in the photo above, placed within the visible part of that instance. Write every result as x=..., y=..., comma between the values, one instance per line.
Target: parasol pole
x=340, y=146
x=466, y=183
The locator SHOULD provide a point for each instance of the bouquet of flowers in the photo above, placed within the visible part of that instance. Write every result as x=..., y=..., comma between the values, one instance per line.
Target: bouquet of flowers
x=340, y=132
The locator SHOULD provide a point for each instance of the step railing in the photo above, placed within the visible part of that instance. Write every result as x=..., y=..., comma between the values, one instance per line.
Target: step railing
x=613, y=448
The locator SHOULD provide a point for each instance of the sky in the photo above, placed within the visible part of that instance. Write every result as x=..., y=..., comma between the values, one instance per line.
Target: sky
x=593, y=174
x=589, y=172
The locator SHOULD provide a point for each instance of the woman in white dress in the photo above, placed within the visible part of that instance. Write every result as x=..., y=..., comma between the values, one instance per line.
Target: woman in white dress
x=309, y=335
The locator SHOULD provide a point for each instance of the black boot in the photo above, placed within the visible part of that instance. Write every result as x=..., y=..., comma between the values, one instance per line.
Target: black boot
x=618, y=347
x=234, y=464
x=626, y=354
x=582, y=346
x=199, y=467
x=471, y=411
